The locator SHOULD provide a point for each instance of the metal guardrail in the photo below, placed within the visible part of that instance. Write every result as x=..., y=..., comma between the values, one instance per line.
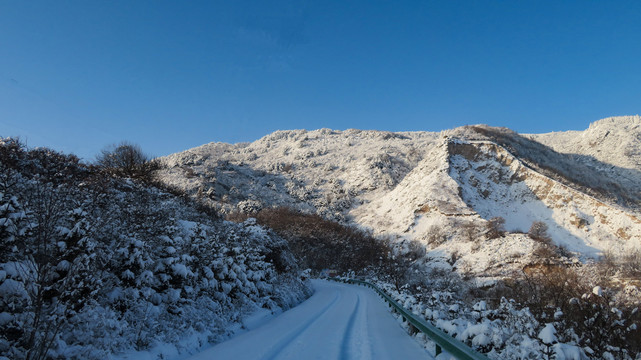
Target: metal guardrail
x=442, y=340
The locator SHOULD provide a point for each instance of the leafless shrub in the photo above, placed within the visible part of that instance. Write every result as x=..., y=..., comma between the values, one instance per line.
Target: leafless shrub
x=539, y=232
x=549, y=286
x=545, y=252
x=627, y=265
x=441, y=279
x=189, y=172
x=607, y=265
x=588, y=317
x=495, y=228
x=454, y=256
x=320, y=243
x=631, y=265
x=415, y=250
x=470, y=231
x=236, y=216
x=435, y=236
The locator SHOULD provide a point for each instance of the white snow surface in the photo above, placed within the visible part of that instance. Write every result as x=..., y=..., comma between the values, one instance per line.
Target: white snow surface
x=614, y=140
x=339, y=321
x=548, y=334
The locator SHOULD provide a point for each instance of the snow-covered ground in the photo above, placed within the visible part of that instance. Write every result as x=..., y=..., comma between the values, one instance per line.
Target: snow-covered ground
x=428, y=187
x=613, y=140
x=338, y=322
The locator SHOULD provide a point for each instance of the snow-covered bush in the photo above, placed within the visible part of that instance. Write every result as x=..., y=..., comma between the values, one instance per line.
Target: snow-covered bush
x=92, y=265
x=550, y=312
x=592, y=319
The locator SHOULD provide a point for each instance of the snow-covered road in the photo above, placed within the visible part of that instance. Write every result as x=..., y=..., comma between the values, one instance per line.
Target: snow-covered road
x=338, y=322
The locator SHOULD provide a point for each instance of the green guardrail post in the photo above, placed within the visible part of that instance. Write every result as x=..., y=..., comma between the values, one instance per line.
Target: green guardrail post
x=438, y=350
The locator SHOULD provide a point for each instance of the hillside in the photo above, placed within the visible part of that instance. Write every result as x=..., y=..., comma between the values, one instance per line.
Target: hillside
x=615, y=141
x=466, y=219
x=93, y=265
x=440, y=189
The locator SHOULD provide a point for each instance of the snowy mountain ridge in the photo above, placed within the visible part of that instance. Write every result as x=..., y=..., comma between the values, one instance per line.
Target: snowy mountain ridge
x=613, y=140
x=440, y=189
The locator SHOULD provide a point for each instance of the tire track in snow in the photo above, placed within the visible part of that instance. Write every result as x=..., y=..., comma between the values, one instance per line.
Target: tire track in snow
x=347, y=336
x=325, y=327
x=281, y=345
x=366, y=326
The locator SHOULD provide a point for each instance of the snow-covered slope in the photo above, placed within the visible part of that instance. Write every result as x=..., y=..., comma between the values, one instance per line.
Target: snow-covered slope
x=495, y=183
x=615, y=140
x=439, y=188
x=323, y=170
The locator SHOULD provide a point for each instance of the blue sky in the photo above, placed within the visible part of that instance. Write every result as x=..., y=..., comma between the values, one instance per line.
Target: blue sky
x=170, y=75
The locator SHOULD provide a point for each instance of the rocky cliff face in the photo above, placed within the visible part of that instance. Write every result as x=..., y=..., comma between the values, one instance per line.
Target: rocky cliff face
x=440, y=189
x=495, y=183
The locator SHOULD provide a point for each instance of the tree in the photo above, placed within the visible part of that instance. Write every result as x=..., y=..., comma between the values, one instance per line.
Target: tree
x=398, y=260
x=48, y=263
x=127, y=160
x=539, y=232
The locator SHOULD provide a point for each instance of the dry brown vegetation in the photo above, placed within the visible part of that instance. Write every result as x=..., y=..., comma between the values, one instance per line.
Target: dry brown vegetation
x=495, y=228
x=435, y=236
x=319, y=243
x=471, y=231
x=539, y=232
x=594, y=317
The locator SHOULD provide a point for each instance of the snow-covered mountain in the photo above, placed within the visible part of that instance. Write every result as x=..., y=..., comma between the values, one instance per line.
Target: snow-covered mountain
x=440, y=189
x=614, y=141
x=97, y=262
